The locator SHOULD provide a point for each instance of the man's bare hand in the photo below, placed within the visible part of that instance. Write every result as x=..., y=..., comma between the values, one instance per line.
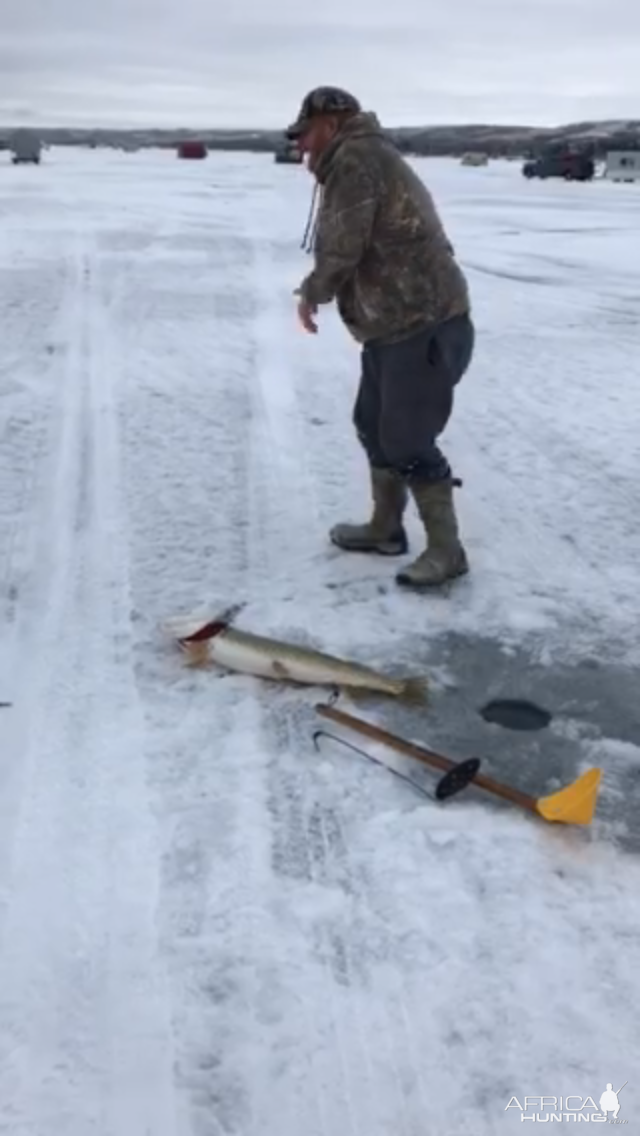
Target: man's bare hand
x=306, y=312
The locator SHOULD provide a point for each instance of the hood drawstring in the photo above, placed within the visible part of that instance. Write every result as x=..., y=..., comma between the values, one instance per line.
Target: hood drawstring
x=311, y=229
x=366, y=123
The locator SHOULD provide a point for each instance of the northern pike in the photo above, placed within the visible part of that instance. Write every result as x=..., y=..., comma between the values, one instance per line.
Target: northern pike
x=216, y=641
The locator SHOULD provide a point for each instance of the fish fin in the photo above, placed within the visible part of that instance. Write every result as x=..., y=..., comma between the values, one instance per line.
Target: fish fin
x=361, y=695
x=415, y=691
x=280, y=671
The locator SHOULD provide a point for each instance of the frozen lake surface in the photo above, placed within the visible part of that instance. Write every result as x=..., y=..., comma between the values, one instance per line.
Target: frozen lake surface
x=206, y=927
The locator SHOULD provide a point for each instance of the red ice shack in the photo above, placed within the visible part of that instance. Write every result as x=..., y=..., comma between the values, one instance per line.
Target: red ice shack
x=192, y=149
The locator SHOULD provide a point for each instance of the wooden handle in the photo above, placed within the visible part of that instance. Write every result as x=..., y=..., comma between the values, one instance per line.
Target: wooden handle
x=426, y=756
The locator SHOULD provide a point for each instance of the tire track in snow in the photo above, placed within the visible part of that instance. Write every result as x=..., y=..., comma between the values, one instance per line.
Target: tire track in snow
x=283, y=502
x=294, y=857
x=306, y=837
x=365, y=1036
x=84, y=1042
x=29, y=410
x=328, y=849
x=190, y=531
x=185, y=421
x=286, y=515
x=29, y=427
x=282, y=505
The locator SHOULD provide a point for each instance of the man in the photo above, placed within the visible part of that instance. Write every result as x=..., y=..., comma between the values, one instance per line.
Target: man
x=382, y=254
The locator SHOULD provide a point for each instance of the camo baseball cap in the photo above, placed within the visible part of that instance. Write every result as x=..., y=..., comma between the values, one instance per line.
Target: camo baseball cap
x=319, y=101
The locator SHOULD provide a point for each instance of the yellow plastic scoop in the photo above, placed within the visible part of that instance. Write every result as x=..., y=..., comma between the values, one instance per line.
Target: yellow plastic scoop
x=575, y=804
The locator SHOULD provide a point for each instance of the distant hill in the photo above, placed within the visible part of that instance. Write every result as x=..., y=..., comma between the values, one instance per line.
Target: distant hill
x=516, y=141
x=495, y=141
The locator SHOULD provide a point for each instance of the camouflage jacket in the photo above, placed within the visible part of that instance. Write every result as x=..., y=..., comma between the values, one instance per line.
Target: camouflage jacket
x=380, y=248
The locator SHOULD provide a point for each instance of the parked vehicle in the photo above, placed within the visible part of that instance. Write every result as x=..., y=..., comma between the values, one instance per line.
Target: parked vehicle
x=572, y=166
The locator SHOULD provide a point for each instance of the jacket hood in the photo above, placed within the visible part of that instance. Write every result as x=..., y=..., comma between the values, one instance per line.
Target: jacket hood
x=363, y=125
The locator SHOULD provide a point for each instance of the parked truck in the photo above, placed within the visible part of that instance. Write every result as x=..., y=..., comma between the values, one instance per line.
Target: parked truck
x=568, y=164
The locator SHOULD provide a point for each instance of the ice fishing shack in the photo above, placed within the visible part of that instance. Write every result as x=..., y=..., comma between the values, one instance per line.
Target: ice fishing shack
x=192, y=148
x=622, y=165
x=25, y=146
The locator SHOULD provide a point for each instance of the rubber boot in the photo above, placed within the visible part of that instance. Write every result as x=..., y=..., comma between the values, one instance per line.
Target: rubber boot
x=444, y=558
x=384, y=533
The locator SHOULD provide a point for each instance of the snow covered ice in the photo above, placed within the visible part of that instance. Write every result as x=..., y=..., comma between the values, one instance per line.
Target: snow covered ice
x=207, y=928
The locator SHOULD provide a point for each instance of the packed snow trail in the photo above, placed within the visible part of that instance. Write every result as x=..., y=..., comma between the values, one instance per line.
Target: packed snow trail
x=207, y=928
x=85, y=1043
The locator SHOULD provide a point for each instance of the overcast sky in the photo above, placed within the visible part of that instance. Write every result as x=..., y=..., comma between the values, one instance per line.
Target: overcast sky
x=248, y=62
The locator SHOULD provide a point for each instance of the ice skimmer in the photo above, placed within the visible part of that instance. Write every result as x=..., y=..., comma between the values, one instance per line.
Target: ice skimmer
x=575, y=804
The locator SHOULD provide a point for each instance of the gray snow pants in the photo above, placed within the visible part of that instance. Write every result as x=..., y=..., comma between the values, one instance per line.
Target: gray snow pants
x=405, y=398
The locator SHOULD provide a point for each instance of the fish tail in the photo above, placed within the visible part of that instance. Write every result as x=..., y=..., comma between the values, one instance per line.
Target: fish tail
x=415, y=691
